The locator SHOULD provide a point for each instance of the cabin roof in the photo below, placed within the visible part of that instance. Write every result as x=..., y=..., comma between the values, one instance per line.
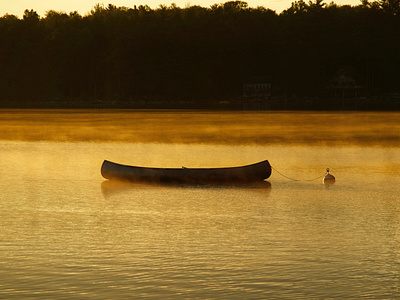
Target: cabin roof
x=347, y=72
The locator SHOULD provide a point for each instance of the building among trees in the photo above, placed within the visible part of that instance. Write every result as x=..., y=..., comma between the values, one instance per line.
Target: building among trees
x=347, y=82
x=258, y=88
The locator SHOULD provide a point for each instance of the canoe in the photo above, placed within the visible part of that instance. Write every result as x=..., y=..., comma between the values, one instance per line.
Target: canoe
x=248, y=173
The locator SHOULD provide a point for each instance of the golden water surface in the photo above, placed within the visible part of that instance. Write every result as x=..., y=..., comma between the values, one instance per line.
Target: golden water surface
x=66, y=233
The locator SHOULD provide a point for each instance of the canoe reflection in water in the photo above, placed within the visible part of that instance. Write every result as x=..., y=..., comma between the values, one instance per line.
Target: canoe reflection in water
x=110, y=188
x=257, y=172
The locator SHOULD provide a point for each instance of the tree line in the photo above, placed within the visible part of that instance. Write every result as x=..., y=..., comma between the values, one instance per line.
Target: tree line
x=126, y=55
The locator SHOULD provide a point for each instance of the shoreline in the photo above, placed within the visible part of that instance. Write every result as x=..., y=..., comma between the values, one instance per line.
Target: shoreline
x=273, y=104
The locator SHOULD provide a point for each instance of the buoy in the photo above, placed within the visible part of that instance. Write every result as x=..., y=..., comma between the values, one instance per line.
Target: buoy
x=329, y=178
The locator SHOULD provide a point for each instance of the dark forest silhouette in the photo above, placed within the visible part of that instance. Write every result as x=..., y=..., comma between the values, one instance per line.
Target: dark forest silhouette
x=121, y=56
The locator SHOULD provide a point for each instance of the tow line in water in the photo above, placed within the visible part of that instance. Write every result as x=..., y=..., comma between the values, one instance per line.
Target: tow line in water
x=328, y=178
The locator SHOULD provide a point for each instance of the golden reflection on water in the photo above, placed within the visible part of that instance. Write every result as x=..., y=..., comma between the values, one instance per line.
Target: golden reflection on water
x=65, y=229
x=138, y=126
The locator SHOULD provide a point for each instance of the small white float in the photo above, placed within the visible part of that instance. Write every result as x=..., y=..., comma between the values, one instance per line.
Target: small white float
x=329, y=178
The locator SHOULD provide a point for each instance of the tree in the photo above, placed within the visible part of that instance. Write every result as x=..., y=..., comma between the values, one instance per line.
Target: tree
x=130, y=54
x=318, y=5
x=296, y=7
x=31, y=16
x=390, y=6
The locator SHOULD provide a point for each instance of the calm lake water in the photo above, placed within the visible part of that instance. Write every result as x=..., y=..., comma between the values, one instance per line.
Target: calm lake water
x=66, y=233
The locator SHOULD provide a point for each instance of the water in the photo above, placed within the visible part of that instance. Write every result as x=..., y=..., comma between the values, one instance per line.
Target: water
x=68, y=234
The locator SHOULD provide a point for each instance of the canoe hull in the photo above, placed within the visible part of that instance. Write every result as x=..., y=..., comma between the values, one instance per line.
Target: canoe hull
x=254, y=172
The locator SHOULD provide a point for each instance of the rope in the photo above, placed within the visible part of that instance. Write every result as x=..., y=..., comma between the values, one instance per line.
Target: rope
x=319, y=177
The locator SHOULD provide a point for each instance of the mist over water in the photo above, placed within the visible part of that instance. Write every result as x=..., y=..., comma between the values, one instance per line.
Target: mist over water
x=136, y=126
x=69, y=234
